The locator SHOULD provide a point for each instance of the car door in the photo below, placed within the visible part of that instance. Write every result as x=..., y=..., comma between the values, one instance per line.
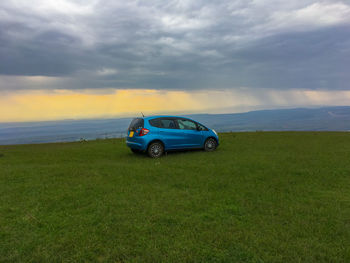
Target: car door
x=192, y=137
x=169, y=133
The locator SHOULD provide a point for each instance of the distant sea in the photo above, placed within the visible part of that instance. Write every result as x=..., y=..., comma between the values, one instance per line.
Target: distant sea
x=300, y=119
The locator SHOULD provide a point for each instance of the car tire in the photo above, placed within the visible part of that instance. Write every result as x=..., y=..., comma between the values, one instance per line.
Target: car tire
x=155, y=150
x=210, y=145
x=135, y=151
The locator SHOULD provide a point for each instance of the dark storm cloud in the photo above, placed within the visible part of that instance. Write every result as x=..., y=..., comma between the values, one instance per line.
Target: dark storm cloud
x=176, y=44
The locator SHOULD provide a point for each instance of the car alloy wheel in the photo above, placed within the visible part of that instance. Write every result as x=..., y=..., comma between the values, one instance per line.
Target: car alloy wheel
x=155, y=150
x=210, y=145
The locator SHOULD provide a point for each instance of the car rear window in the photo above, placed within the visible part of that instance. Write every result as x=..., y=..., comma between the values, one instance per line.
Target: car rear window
x=136, y=124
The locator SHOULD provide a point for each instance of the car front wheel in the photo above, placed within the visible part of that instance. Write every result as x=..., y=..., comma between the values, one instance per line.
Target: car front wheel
x=210, y=145
x=155, y=150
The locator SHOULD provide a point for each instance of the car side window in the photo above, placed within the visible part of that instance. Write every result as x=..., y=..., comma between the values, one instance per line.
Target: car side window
x=155, y=123
x=167, y=123
x=201, y=127
x=186, y=124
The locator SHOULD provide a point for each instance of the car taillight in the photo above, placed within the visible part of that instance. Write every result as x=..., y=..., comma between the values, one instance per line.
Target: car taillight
x=143, y=132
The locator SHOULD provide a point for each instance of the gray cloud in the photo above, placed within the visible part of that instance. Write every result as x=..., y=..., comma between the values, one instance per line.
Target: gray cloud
x=175, y=44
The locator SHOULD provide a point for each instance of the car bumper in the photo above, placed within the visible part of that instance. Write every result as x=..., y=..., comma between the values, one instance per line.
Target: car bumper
x=135, y=145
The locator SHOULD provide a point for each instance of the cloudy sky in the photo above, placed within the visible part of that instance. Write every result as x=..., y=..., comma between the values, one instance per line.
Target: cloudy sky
x=91, y=58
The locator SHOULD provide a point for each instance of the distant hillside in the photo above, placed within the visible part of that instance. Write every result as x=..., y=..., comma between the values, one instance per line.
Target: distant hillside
x=301, y=119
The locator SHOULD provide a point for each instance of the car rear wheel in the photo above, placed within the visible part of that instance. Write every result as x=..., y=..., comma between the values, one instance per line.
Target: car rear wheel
x=210, y=145
x=155, y=150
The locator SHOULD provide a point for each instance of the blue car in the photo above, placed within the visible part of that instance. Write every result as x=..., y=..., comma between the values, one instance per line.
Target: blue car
x=158, y=134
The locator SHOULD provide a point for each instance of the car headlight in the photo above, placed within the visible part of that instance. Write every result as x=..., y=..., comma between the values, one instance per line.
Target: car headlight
x=215, y=132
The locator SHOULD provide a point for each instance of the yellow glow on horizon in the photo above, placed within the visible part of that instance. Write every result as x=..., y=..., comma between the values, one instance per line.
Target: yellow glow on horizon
x=40, y=105
x=63, y=104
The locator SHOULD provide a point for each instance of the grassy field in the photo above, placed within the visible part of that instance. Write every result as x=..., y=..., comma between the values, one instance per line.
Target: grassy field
x=261, y=197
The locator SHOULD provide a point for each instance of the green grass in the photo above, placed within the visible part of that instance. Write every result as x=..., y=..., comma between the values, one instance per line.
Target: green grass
x=261, y=197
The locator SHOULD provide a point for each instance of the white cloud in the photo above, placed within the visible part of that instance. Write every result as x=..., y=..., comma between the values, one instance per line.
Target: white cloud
x=100, y=22
x=181, y=22
x=310, y=17
x=189, y=44
x=42, y=16
x=49, y=7
x=107, y=71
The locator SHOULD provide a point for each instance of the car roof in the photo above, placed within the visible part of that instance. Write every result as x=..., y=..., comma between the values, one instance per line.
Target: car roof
x=164, y=116
x=168, y=116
